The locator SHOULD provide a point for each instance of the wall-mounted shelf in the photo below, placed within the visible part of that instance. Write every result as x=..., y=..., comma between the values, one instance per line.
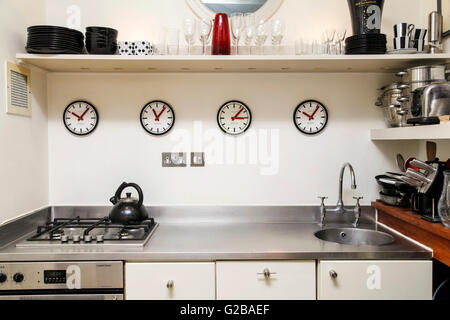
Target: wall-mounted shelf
x=285, y=63
x=434, y=132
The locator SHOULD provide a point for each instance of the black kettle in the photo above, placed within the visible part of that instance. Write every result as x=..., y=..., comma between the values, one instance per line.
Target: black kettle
x=128, y=210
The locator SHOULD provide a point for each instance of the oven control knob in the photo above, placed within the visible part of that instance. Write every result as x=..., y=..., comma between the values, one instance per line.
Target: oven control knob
x=18, y=277
x=3, y=277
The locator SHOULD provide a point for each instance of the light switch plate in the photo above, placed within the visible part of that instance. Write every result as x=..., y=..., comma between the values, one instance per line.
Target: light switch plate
x=174, y=159
x=197, y=159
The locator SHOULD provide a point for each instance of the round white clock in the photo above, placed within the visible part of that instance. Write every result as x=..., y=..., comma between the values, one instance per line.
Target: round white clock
x=234, y=117
x=157, y=117
x=80, y=118
x=311, y=117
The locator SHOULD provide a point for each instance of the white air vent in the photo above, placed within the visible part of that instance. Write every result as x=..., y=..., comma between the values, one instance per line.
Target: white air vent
x=19, y=95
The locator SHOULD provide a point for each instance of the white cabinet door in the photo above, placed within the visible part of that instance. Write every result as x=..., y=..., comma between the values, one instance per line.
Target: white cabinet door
x=288, y=280
x=377, y=280
x=169, y=281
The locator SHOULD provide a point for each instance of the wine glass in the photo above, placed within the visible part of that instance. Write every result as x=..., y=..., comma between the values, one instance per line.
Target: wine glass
x=189, y=32
x=262, y=33
x=237, y=23
x=329, y=37
x=340, y=35
x=205, y=28
x=249, y=23
x=277, y=28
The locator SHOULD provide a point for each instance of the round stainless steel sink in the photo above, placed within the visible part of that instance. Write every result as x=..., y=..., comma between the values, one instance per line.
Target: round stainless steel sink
x=355, y=237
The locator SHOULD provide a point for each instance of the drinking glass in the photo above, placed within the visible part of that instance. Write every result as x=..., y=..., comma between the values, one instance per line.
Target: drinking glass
x=172, y=41
x=444, y=201
x=340, y=37
x=249, y=24
x=237, y=24
x=189, y=32
x=262, y=33
x=329, y=37
x=277, y=28
x=205, y=28
x=304, y=46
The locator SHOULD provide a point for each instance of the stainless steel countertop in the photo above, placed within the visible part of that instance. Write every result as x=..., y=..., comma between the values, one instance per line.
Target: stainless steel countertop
x=209, y=241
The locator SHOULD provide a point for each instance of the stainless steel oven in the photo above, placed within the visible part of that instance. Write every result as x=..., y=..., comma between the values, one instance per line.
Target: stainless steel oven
x=99, y=280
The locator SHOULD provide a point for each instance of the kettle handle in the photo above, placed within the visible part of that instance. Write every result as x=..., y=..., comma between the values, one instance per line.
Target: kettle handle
x=124, y=185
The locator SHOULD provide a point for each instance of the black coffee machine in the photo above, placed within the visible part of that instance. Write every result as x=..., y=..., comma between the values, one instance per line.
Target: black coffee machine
x=425, y=201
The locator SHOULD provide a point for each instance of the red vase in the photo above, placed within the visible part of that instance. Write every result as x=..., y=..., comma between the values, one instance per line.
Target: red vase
x=221, y=44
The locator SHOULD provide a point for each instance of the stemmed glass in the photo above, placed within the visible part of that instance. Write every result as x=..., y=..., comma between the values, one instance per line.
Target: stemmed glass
x=189, y=32
x=205, y=28
x=340, y=35
x=237, y=24
x=329, y=37
x=277, y=33
x=249, y=23
x=262, y=33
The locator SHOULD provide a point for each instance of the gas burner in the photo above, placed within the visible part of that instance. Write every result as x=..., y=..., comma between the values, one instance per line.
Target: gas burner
x=90, y=231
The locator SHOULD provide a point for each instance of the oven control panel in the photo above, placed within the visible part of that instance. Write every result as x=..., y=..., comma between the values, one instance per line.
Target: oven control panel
x=61, y=275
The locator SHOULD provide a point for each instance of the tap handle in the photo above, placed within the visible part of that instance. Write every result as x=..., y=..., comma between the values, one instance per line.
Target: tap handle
x=322, y=199
x=358, y=199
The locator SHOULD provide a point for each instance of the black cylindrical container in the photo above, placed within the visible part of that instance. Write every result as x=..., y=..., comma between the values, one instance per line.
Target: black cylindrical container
x=366, y=15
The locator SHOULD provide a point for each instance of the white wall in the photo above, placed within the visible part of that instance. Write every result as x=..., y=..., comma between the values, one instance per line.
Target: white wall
x=23, y=140
x=87, y=170
x=144, y=19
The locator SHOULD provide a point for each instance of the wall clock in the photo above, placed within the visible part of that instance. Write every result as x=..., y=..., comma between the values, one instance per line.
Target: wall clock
x=157, y=117
x=234, y=117
x=80, y=118
x=310, y=117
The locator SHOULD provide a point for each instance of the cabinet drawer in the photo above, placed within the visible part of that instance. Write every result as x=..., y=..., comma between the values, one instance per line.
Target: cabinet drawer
x=169, y=281
x=378, y=280
x=289, y=280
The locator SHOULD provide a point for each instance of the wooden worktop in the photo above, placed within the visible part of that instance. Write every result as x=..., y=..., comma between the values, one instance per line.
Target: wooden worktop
x=433, y=235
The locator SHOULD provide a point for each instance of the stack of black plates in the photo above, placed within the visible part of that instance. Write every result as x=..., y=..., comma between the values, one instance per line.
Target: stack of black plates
x=371, y=43
x=54, y=40
x=101, y=40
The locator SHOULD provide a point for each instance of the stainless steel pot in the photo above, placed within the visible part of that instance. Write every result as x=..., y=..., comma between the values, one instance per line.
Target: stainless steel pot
x=422, y=76
x=391, y=101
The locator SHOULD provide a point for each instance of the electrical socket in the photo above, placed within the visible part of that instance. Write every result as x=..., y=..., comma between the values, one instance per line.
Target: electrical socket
x=174, y=159
x=197, y=159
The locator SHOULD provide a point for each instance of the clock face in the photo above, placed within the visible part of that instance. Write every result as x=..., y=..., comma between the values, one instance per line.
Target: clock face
x=234, y=117
x=157, y=117
x=311, y=117
x=80, y=118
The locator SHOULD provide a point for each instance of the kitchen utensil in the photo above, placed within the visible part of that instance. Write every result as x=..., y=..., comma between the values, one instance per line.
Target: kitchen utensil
x=400, y=162
x=262, y=33
x=431, y=150
x=221, y=35
x=189, y=29
x=128, y=210
x=403, y=30
x=249, y=25
x=366, y=16
x=423, y=74
x=391, y=200
x=205, y=28
x=237, y=26
x=401, y=43
x=429, y=120
x=436, y=100
x=101, y=40
x=418, y=176
x=54, y=40
x=435, y=26
x=419, y=34
x=277, y=33
x=408, y=164
x=444, y=201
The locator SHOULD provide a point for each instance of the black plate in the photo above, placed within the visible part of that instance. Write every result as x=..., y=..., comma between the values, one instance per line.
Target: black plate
x=52, y=51
x=366, y=52
x=373, y=36
x=54, y=29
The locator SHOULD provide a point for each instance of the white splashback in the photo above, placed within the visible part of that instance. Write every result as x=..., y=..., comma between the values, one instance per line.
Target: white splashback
x=88, y=170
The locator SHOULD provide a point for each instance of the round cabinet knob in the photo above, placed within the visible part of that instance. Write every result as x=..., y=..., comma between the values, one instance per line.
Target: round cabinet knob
x=3, y=277
x=18, y=277
x=169, y=284
x=333, y=274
